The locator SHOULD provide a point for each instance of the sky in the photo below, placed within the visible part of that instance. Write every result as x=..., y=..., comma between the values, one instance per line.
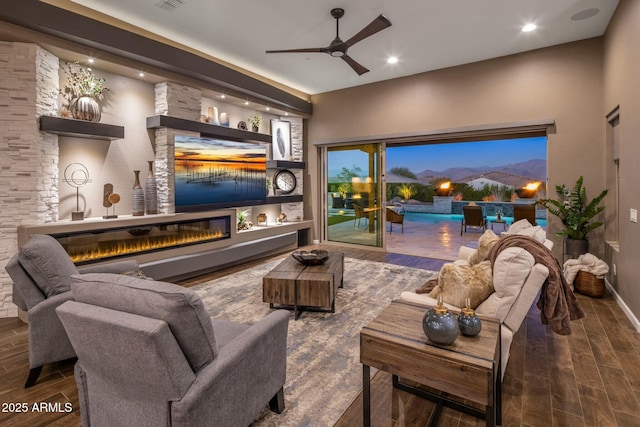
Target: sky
x=443, y=156
x=469, y=154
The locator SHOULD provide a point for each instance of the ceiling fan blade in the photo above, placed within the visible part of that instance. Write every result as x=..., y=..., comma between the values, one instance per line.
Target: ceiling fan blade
x=355, y=65
x=311, y=50
x=378, y=24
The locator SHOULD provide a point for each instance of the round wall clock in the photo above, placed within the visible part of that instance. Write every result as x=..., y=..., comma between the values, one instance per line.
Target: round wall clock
x=285, y=181
x=242, y=126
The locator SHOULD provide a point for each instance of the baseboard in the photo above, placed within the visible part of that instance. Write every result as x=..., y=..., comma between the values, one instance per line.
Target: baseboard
x=625, y=309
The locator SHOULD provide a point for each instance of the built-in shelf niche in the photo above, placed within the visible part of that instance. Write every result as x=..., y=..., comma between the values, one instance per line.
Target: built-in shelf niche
x=80, y=128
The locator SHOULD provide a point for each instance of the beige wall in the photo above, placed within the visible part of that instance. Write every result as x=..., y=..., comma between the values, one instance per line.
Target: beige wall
x=621, y=88
x=563, y=83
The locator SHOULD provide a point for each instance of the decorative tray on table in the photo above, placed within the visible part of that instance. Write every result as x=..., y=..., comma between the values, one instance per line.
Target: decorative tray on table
x=313, y=257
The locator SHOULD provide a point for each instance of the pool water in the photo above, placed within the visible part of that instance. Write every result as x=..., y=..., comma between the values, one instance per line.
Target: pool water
x=431, y=218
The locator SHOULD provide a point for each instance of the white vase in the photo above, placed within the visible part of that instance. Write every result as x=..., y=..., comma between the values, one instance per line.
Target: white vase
x=224, y=119
x=213, y=116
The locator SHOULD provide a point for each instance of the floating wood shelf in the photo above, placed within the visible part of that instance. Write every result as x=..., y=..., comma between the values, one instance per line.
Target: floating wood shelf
x=80, y=128
x=283, y=164
x=206, y=129
x=284, y=199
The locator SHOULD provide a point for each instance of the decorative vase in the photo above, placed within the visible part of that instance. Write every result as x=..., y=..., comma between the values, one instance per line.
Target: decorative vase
x=224, y=119
x=137, y=196
x=213, y=116
x=468, y=321
x=440, y=325
x=85, y=108
x=151, y=192
x=255, y=128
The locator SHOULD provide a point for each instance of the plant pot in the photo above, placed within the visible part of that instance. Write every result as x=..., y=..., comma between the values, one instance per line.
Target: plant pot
x=574, y=248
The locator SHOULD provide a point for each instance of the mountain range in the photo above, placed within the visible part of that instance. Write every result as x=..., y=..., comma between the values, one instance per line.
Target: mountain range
x=535, y=169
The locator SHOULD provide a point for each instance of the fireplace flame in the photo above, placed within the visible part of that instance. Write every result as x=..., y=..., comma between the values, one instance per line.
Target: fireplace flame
x=115, y=248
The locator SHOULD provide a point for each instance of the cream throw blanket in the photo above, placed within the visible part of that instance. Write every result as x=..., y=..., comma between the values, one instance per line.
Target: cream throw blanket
x=586, y=262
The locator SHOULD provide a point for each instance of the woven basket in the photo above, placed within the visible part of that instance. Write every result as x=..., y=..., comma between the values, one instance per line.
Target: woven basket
x=588, y=284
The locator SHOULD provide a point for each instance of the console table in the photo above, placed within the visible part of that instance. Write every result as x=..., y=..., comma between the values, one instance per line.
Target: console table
x=469, y=368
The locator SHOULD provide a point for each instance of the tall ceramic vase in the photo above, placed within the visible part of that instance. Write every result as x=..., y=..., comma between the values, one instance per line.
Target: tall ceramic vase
x=151, y=192
x=137, y=196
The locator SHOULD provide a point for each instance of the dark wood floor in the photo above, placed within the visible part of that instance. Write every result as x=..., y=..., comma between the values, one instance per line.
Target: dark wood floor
x=589, y=378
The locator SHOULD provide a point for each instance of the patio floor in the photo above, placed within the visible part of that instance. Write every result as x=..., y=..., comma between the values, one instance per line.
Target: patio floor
x=440, y=240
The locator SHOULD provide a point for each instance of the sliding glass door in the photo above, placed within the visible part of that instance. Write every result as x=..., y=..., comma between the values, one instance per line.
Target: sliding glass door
x=353, y=213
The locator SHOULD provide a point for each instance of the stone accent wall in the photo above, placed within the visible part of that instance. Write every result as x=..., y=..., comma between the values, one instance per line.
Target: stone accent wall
x=177, y=100
x=29, y=158
x=164, y=169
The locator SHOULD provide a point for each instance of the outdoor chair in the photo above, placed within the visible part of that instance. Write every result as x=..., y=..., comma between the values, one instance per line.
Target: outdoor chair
x=472, y=216
x=337, y=201
x=527, y=212
x=394, y=217
x=41, y=272
x=150, y=355
x=360, y=214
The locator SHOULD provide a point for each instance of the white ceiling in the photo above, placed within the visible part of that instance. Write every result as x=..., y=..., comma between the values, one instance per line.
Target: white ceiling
x=425, y=34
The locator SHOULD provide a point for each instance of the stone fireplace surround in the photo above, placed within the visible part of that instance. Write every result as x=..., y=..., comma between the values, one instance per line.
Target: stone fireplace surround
x=29, y=184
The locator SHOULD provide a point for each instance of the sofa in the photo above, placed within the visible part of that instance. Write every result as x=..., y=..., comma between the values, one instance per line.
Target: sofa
x=516, y=278
x=149, y=355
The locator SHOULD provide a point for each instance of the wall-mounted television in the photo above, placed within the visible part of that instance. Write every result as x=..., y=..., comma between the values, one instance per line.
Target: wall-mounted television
x=216, y=173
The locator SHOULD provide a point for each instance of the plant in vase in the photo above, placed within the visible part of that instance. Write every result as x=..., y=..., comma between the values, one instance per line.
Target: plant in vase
x=576, y=215
x=242, y=218
x=255, y=120
x=80, y=93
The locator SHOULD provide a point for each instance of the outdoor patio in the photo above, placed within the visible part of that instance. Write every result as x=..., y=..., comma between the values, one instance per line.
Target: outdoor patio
x=440, y=240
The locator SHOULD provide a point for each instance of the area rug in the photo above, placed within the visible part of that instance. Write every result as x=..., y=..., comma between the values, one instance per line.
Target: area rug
x=324, y=374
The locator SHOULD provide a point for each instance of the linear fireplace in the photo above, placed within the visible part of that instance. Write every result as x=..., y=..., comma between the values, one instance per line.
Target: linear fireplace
x=89, y=246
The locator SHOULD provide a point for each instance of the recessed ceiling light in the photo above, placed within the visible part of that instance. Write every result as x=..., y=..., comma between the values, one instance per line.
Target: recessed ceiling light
x=140, y=74
x=529, y=27
x=91, y=60
x=392, y=60
x=585, y=14
x=223, y=96
x=246, y=102
x=267, y=108
x=286, y=114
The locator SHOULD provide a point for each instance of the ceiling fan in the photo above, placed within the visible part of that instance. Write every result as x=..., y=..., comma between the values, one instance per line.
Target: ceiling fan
x=338, y=48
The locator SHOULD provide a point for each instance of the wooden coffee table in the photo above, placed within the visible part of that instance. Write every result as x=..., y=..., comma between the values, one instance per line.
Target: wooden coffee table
x=301, y=287
x=469, y=368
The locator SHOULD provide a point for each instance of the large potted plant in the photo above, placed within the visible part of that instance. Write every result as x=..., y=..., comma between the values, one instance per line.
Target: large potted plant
x=576, y=215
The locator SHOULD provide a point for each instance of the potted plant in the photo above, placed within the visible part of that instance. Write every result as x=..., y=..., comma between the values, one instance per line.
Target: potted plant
x=254, y=120
x=81, y=91
x=576, y=214
x=243, y=220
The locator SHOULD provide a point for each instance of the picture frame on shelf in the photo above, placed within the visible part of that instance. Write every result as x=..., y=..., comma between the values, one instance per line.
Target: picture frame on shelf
x=281, y=139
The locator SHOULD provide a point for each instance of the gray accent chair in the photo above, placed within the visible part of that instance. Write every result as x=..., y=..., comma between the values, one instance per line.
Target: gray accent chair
x=149, y=355
x=41, y=272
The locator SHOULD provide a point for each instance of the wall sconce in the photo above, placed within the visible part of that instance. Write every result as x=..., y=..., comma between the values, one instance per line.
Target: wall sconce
x=528, y=191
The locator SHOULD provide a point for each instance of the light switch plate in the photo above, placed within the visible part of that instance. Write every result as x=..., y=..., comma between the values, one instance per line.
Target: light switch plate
x=633, y=215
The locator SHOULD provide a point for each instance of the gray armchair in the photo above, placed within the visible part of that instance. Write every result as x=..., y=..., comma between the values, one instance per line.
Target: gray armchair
x=149, y=355
x=41, y=273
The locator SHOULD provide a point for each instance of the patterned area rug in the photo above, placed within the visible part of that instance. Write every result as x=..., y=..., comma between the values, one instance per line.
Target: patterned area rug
x=324, y=374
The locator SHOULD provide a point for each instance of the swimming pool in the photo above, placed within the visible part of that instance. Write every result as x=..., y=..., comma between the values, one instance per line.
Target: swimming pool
x=432, y=218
